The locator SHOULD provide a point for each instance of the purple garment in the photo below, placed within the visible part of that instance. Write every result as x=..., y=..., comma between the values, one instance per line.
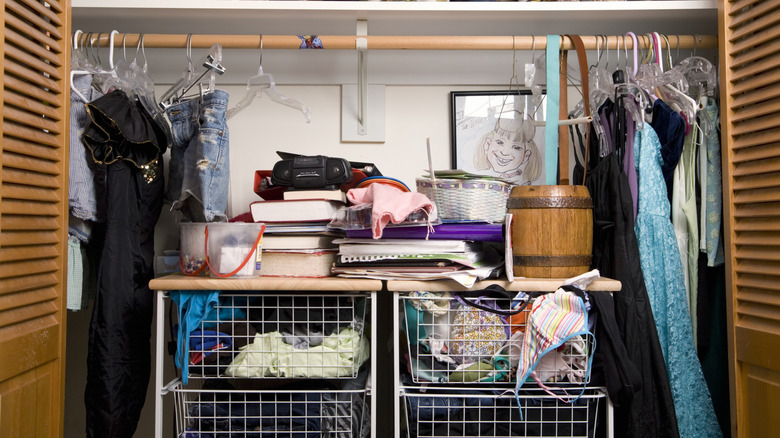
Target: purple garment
x=670, y=127
x=628, y=163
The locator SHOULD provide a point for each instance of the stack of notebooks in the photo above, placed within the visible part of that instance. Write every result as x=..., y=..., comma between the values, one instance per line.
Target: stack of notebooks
x=297, y=241
x=421, y=259
x=405, y=255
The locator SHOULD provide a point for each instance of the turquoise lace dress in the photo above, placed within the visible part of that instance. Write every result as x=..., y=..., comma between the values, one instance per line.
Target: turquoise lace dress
x=659, y=256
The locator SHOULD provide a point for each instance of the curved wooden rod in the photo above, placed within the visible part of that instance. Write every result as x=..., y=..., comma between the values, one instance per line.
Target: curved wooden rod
x=379, y=42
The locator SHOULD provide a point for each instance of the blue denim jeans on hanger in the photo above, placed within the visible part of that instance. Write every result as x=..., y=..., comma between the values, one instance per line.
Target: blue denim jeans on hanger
x=200, y=163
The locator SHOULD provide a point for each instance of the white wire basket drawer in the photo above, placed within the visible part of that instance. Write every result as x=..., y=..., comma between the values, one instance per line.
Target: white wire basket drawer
x=282, y=336
x=450, y=342
x=202, y=413
x=453, y=412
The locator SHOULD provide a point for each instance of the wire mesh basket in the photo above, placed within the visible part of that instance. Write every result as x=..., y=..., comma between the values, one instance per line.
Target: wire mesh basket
x=452, y=412
x=451, y=343
x=271, y=413
x=281, y=336
x=470, y=200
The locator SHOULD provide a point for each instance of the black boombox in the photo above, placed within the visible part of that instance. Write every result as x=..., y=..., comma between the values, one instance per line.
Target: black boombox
x=311, y=172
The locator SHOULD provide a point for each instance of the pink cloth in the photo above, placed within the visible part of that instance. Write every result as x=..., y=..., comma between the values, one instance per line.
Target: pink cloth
x=389, y=204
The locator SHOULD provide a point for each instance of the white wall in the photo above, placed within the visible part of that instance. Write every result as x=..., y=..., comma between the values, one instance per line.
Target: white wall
x=412, y=114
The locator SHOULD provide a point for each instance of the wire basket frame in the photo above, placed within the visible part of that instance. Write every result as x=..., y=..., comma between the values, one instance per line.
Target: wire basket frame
x=451, y=343
x=271, y=413
x=282, y=336
x=456, y=412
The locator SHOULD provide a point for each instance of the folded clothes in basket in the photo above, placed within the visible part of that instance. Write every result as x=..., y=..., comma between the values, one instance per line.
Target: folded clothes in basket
x=340, y=355
x=303, y=409
x=205, y=342
x=491, y=414
x=295, y=415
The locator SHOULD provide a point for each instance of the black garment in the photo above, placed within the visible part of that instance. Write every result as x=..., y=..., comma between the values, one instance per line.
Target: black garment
x=611, y=366
x=712, y=338
x=616, y=255
x=119, y=356
x=670, y=127
x=304, y=321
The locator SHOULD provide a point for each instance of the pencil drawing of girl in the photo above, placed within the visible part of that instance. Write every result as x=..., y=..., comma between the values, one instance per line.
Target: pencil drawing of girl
x=510, y=151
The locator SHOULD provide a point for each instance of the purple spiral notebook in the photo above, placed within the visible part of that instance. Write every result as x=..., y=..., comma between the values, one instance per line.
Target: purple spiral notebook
x=474, y=231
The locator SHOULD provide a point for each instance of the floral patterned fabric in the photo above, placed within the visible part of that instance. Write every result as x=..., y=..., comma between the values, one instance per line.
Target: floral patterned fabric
x=714, y=200
x=663, y=273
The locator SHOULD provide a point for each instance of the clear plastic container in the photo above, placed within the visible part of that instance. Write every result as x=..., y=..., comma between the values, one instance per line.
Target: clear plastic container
x=233, y=249
x=192, y=255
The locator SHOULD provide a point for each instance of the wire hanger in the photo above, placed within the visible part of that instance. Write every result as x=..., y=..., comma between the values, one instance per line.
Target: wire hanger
x=263, y=83
x=208, y=65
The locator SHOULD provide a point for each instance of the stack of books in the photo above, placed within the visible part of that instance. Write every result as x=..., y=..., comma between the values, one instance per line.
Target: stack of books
x=297, y=241
x=297, y=255
x=291, y=213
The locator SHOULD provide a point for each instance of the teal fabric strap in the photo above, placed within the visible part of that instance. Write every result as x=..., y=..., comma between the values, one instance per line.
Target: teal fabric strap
x=551, y=124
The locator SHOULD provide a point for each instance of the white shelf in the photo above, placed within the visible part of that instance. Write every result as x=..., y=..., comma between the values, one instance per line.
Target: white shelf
x=395, y=18
x=250, y=17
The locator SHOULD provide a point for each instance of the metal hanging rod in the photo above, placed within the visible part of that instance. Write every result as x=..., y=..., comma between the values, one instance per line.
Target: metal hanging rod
x=379, y=42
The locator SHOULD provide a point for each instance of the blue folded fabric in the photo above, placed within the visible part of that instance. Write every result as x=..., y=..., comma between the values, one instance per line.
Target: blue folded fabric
x=193, y=306
x=204, y=340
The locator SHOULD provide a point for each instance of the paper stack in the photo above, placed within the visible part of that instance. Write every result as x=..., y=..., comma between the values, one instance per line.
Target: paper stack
x=412, y=258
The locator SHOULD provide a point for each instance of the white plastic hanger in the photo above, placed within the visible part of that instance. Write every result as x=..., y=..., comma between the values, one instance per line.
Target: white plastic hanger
x=208, y=65
x=80, y=62
x=107, y=80
x=673, y=95
x=263, y=83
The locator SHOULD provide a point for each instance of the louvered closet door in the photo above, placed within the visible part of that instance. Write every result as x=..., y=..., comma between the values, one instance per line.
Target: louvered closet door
x=33, y=216
x=750, y=59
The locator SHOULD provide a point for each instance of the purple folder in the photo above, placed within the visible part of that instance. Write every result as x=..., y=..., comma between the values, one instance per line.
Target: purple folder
x=476, y=231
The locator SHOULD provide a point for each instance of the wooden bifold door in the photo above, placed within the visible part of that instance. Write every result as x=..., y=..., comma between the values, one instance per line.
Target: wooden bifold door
x=750, y=101
x=33, y=216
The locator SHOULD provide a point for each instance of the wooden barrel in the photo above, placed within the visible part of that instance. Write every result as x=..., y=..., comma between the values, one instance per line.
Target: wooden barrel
x=552, y=230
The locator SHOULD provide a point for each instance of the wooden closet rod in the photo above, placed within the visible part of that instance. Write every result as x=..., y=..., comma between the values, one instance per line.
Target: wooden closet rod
x=378, y=42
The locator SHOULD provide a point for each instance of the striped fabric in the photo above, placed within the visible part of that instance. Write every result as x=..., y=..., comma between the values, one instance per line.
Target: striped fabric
x=554, y=319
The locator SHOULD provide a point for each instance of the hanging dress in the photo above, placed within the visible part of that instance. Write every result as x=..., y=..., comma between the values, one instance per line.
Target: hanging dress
x=126, y=147
x=691, y=257
x=616, y=255
x=663, y=275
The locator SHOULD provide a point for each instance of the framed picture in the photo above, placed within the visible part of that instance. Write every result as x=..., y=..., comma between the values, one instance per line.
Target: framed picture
x=499, y=133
